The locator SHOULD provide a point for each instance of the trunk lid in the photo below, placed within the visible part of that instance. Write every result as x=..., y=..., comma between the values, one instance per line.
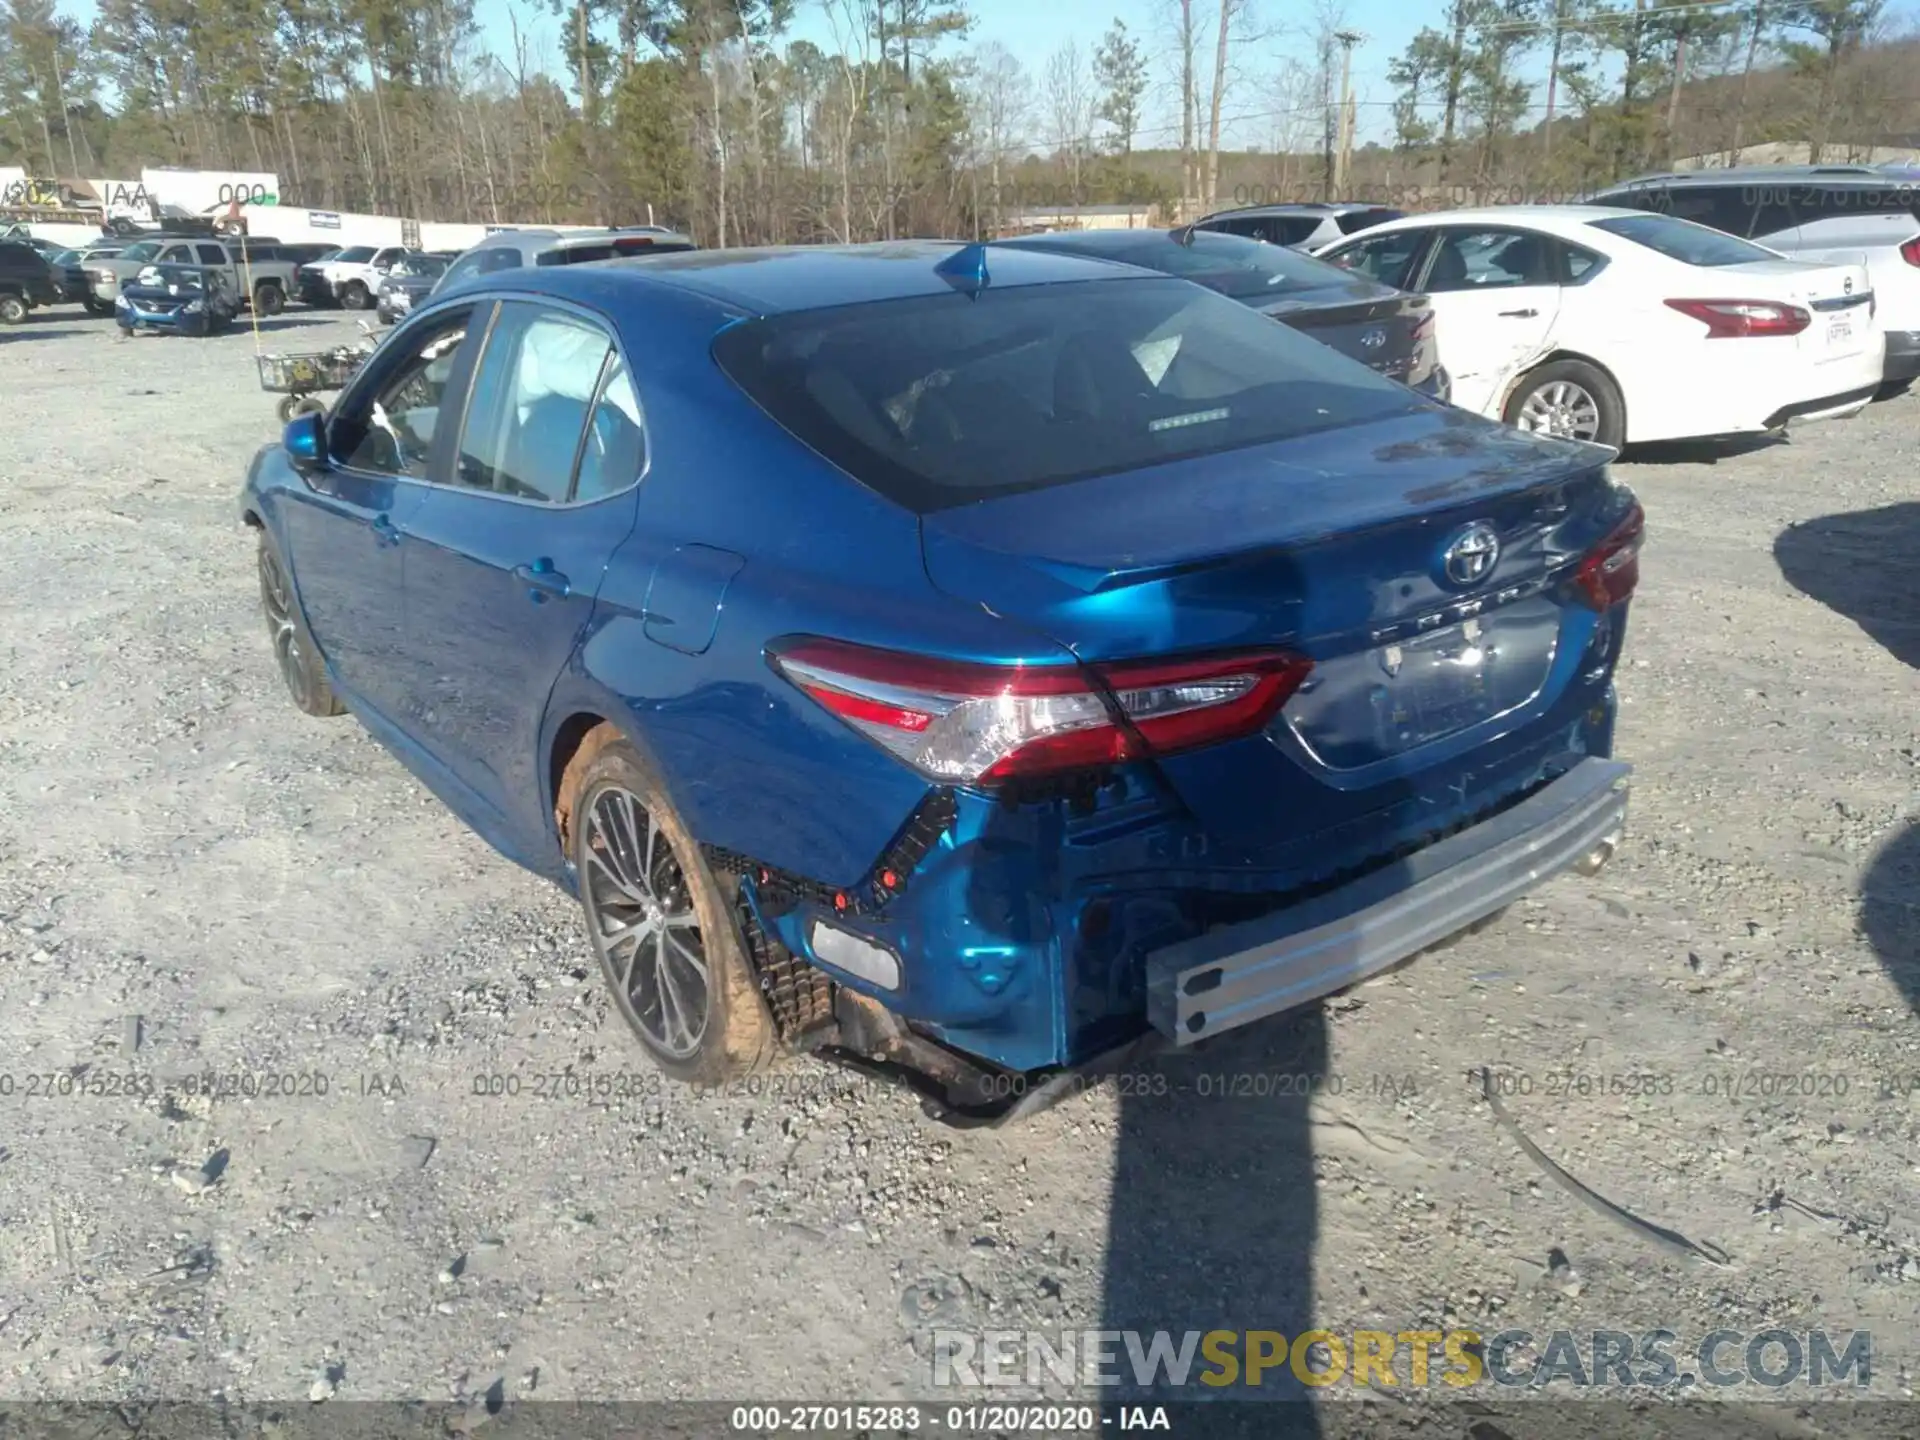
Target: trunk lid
x=1840, y=295
x=1336, y=545
x=1384, y=329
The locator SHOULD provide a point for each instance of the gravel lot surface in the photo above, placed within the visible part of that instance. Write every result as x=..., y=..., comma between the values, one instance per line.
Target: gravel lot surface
x=196, y=878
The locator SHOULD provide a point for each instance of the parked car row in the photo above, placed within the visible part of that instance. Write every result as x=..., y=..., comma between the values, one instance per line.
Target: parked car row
x=1802, y=283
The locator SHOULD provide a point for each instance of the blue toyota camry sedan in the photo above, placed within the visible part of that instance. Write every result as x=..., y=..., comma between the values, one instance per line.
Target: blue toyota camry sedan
x=985, y=662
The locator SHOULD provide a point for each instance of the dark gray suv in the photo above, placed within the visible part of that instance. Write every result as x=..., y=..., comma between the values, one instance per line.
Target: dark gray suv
x=1305, y=225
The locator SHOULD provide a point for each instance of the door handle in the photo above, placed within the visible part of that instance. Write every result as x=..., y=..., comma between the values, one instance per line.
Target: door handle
x=385, y=532
x=542, y=581
x=1527, y=314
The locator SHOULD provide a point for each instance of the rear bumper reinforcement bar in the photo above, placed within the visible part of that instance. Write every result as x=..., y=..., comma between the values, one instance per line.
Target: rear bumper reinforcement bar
x=1241, y=973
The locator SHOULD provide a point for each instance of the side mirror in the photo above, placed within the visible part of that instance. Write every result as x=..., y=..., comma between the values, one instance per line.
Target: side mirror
x=305, y=441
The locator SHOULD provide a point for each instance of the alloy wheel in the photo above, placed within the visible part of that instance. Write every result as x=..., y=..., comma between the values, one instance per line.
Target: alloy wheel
x=1560, y=408
x=276, y=597
x=640, y=908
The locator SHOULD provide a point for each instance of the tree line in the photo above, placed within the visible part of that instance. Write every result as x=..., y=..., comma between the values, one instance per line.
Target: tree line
x=713, y=116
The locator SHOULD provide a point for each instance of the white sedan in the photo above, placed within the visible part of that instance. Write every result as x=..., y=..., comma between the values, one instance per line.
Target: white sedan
x=1621, y=327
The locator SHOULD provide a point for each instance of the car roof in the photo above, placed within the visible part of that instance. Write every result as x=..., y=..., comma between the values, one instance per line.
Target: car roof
x=782, y=279
x=1759, y=174
x=1300, y=207
x=1558, y=219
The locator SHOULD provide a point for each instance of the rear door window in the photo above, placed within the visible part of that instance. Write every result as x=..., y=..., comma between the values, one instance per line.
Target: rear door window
x=1386, y=258
x=538, y=379
x=211, y=254
x=615, y=448
x=942, y=400
x=1472, y=260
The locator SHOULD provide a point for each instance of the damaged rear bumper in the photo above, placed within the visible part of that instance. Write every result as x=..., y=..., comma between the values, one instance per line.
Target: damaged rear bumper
x=1241, y=973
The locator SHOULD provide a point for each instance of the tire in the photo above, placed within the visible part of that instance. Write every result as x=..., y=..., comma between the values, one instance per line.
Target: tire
x=269, y=298
x=634, y=856
x=96, y=307
x=294, y=652
x=355, y=296
x=13, y=310
x=1571, y=393
x=1893, y=389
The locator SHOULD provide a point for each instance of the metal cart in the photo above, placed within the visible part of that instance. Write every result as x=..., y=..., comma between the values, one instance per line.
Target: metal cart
x=299, y=378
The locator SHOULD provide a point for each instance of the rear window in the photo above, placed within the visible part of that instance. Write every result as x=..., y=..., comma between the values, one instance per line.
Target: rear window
x=1683, y=241
x=1238, y=268
x=941, y=400
x=1354, y=220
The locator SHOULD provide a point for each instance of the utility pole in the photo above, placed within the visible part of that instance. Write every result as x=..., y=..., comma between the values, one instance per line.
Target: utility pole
x=1343, y=158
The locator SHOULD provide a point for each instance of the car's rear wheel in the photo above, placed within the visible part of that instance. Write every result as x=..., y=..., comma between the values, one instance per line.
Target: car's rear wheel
x=1569, y=399
x=268, y=298
x=294, y=652
x=13, y=310
x=96, y=307
x=355, y=296
x=661, y=926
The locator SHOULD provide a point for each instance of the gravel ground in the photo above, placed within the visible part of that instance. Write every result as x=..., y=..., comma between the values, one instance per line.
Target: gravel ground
x=195, y=878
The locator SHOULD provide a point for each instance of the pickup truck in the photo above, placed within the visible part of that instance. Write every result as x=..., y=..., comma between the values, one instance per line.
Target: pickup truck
x=258, y=275
x=25, y=281
x=351, y=278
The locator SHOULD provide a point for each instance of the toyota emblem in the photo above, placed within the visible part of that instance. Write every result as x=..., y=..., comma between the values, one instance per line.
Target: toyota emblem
x=1471, y=555
x=1374, y=339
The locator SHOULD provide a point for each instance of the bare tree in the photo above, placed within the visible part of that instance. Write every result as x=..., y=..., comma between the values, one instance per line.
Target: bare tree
x=1070, y=105
x=1000, y=103
x=1293, y=122
x=1182, y=27
x=1232, y=14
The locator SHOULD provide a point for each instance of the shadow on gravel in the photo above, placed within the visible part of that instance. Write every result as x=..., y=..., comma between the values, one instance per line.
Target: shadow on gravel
x=31, y=331
x=284, y=322
x=1214, y=1217
x=1890, y=912
x=1699, y=452
x=1862, y=566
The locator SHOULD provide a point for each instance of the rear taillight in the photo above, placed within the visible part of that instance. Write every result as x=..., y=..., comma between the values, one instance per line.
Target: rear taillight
x=1422, y=327
x=1910, y=252
x=632, y=246
x=1612, y=568
x=1731, y=319
x=964, y=723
